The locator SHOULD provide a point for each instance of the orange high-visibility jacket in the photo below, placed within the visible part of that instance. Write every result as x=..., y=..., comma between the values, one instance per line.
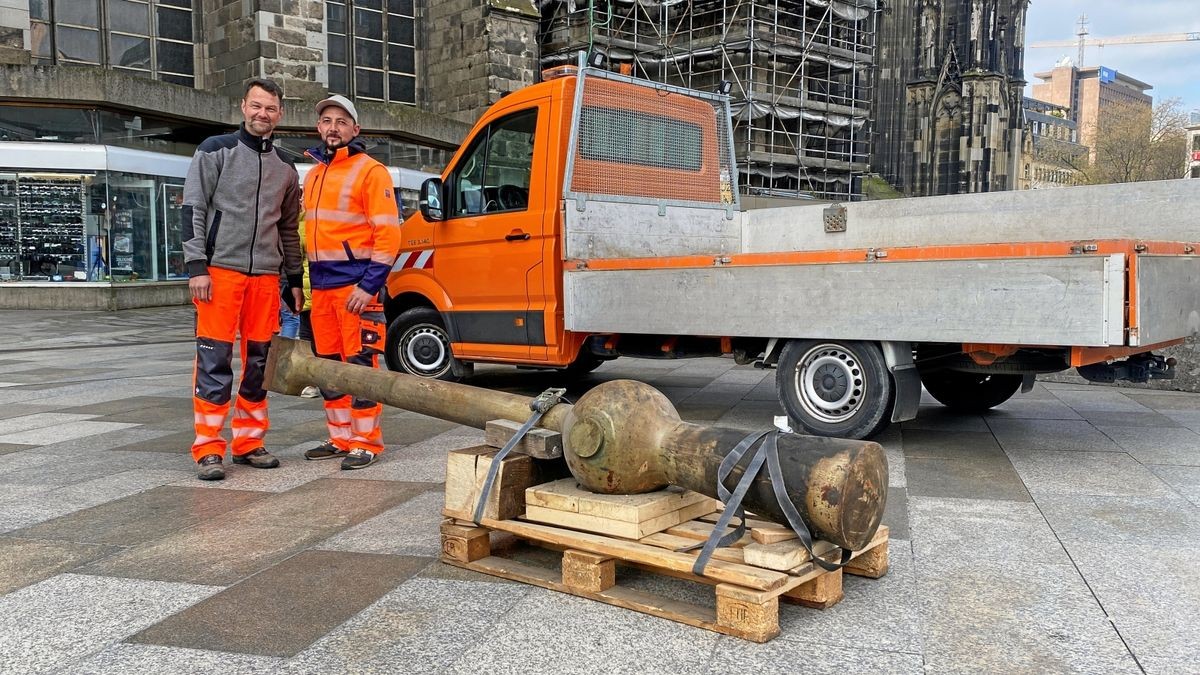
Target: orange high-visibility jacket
x=352, y=225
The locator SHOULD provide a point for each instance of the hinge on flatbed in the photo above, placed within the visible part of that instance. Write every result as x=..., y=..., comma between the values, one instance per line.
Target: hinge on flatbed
x=722, y=260
x=1081, y=248
x=876, y=254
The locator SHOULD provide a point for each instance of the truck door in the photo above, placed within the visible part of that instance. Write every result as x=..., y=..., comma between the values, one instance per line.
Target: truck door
x=489, y=247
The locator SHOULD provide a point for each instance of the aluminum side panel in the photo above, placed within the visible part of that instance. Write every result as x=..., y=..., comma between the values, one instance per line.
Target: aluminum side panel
x=1168, y=298
x=1052, y=301
x=614, y=230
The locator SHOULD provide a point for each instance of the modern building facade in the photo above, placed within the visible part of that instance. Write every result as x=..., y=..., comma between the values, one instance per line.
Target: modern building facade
x=1088, y=93
x=1193, y=145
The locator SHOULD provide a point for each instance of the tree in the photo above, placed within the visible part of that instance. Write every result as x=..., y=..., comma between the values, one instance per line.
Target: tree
x=1136, y=143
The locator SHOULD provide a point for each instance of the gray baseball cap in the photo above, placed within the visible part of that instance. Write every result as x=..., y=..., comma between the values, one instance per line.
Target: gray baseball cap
x=341, y=102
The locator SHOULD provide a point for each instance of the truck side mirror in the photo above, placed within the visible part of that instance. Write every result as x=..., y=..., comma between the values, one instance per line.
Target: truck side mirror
x=431, y=199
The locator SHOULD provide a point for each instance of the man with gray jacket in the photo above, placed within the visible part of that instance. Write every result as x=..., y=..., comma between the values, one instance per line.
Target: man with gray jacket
x=241, y=202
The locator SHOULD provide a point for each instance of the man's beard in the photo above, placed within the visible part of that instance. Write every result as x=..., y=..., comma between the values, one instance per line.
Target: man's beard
x=331, y=148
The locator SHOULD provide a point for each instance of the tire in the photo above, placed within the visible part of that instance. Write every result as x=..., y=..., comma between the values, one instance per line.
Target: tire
x=835, y=388
x=970, y=392
x=418, y=344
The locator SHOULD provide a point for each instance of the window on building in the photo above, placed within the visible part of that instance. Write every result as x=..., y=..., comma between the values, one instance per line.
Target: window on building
x=148, y=37
x=1196, y=172
x=372, y=49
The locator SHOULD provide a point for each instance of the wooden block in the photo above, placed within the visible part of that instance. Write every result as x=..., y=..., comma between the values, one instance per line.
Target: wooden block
x=783, y=555
x=700, y=531
x=747, y=615
x=465, y=544
x=566, y=495
x=872, y=563
x=588, y=571
x=466, y=471
x=771, y=534
x=822, y=592
x=616, y=528
x=538, y=443
x=674, y=543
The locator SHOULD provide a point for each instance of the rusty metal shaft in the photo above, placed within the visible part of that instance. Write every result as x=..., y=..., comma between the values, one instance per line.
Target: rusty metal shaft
x=625, y=437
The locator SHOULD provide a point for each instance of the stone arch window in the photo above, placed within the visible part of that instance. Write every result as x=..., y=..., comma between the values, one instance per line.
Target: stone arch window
x=372, y=49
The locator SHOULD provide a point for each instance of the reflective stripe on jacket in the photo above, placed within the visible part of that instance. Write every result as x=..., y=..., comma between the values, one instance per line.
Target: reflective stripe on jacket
x=351, y=221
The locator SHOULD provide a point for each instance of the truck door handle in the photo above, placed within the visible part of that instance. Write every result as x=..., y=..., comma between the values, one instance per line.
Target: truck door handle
x=517, y=235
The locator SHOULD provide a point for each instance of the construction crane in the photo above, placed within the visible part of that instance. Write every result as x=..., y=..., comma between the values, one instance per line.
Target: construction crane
x=1083, y=40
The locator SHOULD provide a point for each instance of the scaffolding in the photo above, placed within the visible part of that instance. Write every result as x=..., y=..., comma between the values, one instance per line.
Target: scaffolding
x=801, y=72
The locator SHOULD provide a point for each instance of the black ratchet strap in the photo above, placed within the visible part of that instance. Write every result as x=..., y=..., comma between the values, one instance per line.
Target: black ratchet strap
x=540, y=406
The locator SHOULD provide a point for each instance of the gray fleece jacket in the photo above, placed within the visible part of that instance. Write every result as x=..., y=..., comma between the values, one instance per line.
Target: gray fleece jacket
x=241, y=204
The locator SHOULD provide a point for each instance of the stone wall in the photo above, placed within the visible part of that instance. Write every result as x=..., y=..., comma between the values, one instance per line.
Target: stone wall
x=476, y=51
x=280, y=39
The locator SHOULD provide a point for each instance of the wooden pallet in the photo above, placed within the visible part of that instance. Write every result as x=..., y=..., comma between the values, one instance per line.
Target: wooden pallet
x=747, y=596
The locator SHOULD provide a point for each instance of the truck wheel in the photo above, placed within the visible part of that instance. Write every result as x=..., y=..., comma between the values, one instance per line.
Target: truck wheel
x=583, y=364
x=970, y=392
x=418, y=344
x=835, y=388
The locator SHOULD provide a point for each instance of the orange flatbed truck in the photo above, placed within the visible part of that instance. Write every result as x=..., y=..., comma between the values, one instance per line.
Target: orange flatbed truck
x=594, y=215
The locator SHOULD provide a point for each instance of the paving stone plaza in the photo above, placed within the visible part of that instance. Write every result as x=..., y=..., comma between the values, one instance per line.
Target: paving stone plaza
x=1059, y=533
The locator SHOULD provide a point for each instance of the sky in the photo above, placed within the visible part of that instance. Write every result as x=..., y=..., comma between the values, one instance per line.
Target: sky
x=1172, y=68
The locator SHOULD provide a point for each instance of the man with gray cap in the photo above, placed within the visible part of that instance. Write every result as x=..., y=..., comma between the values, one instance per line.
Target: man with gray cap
x=352, y=237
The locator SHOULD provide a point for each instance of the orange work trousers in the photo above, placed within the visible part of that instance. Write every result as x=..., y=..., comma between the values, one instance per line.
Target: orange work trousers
x=339, y=335
x=245, y=305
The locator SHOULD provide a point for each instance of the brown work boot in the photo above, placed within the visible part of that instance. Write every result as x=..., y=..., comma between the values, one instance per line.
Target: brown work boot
x=210, y=468
x=258, y=458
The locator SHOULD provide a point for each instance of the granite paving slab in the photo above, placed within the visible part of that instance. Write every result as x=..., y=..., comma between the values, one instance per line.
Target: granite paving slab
x=780, y=657
x=1099, y=399
x=124, y=657
x=1184, y=479
x=252, y=617
x=1090, y=473
x=982, y=476
x=176, y=443
x=70, y=616
x=60, y=501
x=91, y=445
x=6, y=448
x=425, y=625
x=62, y=432
x=949, y=532
x=142, y=517
x=1165, y=400
x=226, y=550
x=1187, y=418
x=134, y=403
x=1165, y=665
x=937, y=417
x=877, y=614
x=1005, y=618
x=28, y=561
x=1033, y=408
x=549, y=631
x=411, y=528
x=11, y=410
x=1058, y=435
x=895, y=513
x=33, y=468
x=13, y=425
x=1153, y=602
x=1179, y=446
x=1167, y=521
x=1149, y=418
x=945, y=444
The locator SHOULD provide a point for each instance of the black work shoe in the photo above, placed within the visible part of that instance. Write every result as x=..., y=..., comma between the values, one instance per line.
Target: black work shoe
x=258, y=458
x=326, y=450
x=358, y=459
x=210, y=468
